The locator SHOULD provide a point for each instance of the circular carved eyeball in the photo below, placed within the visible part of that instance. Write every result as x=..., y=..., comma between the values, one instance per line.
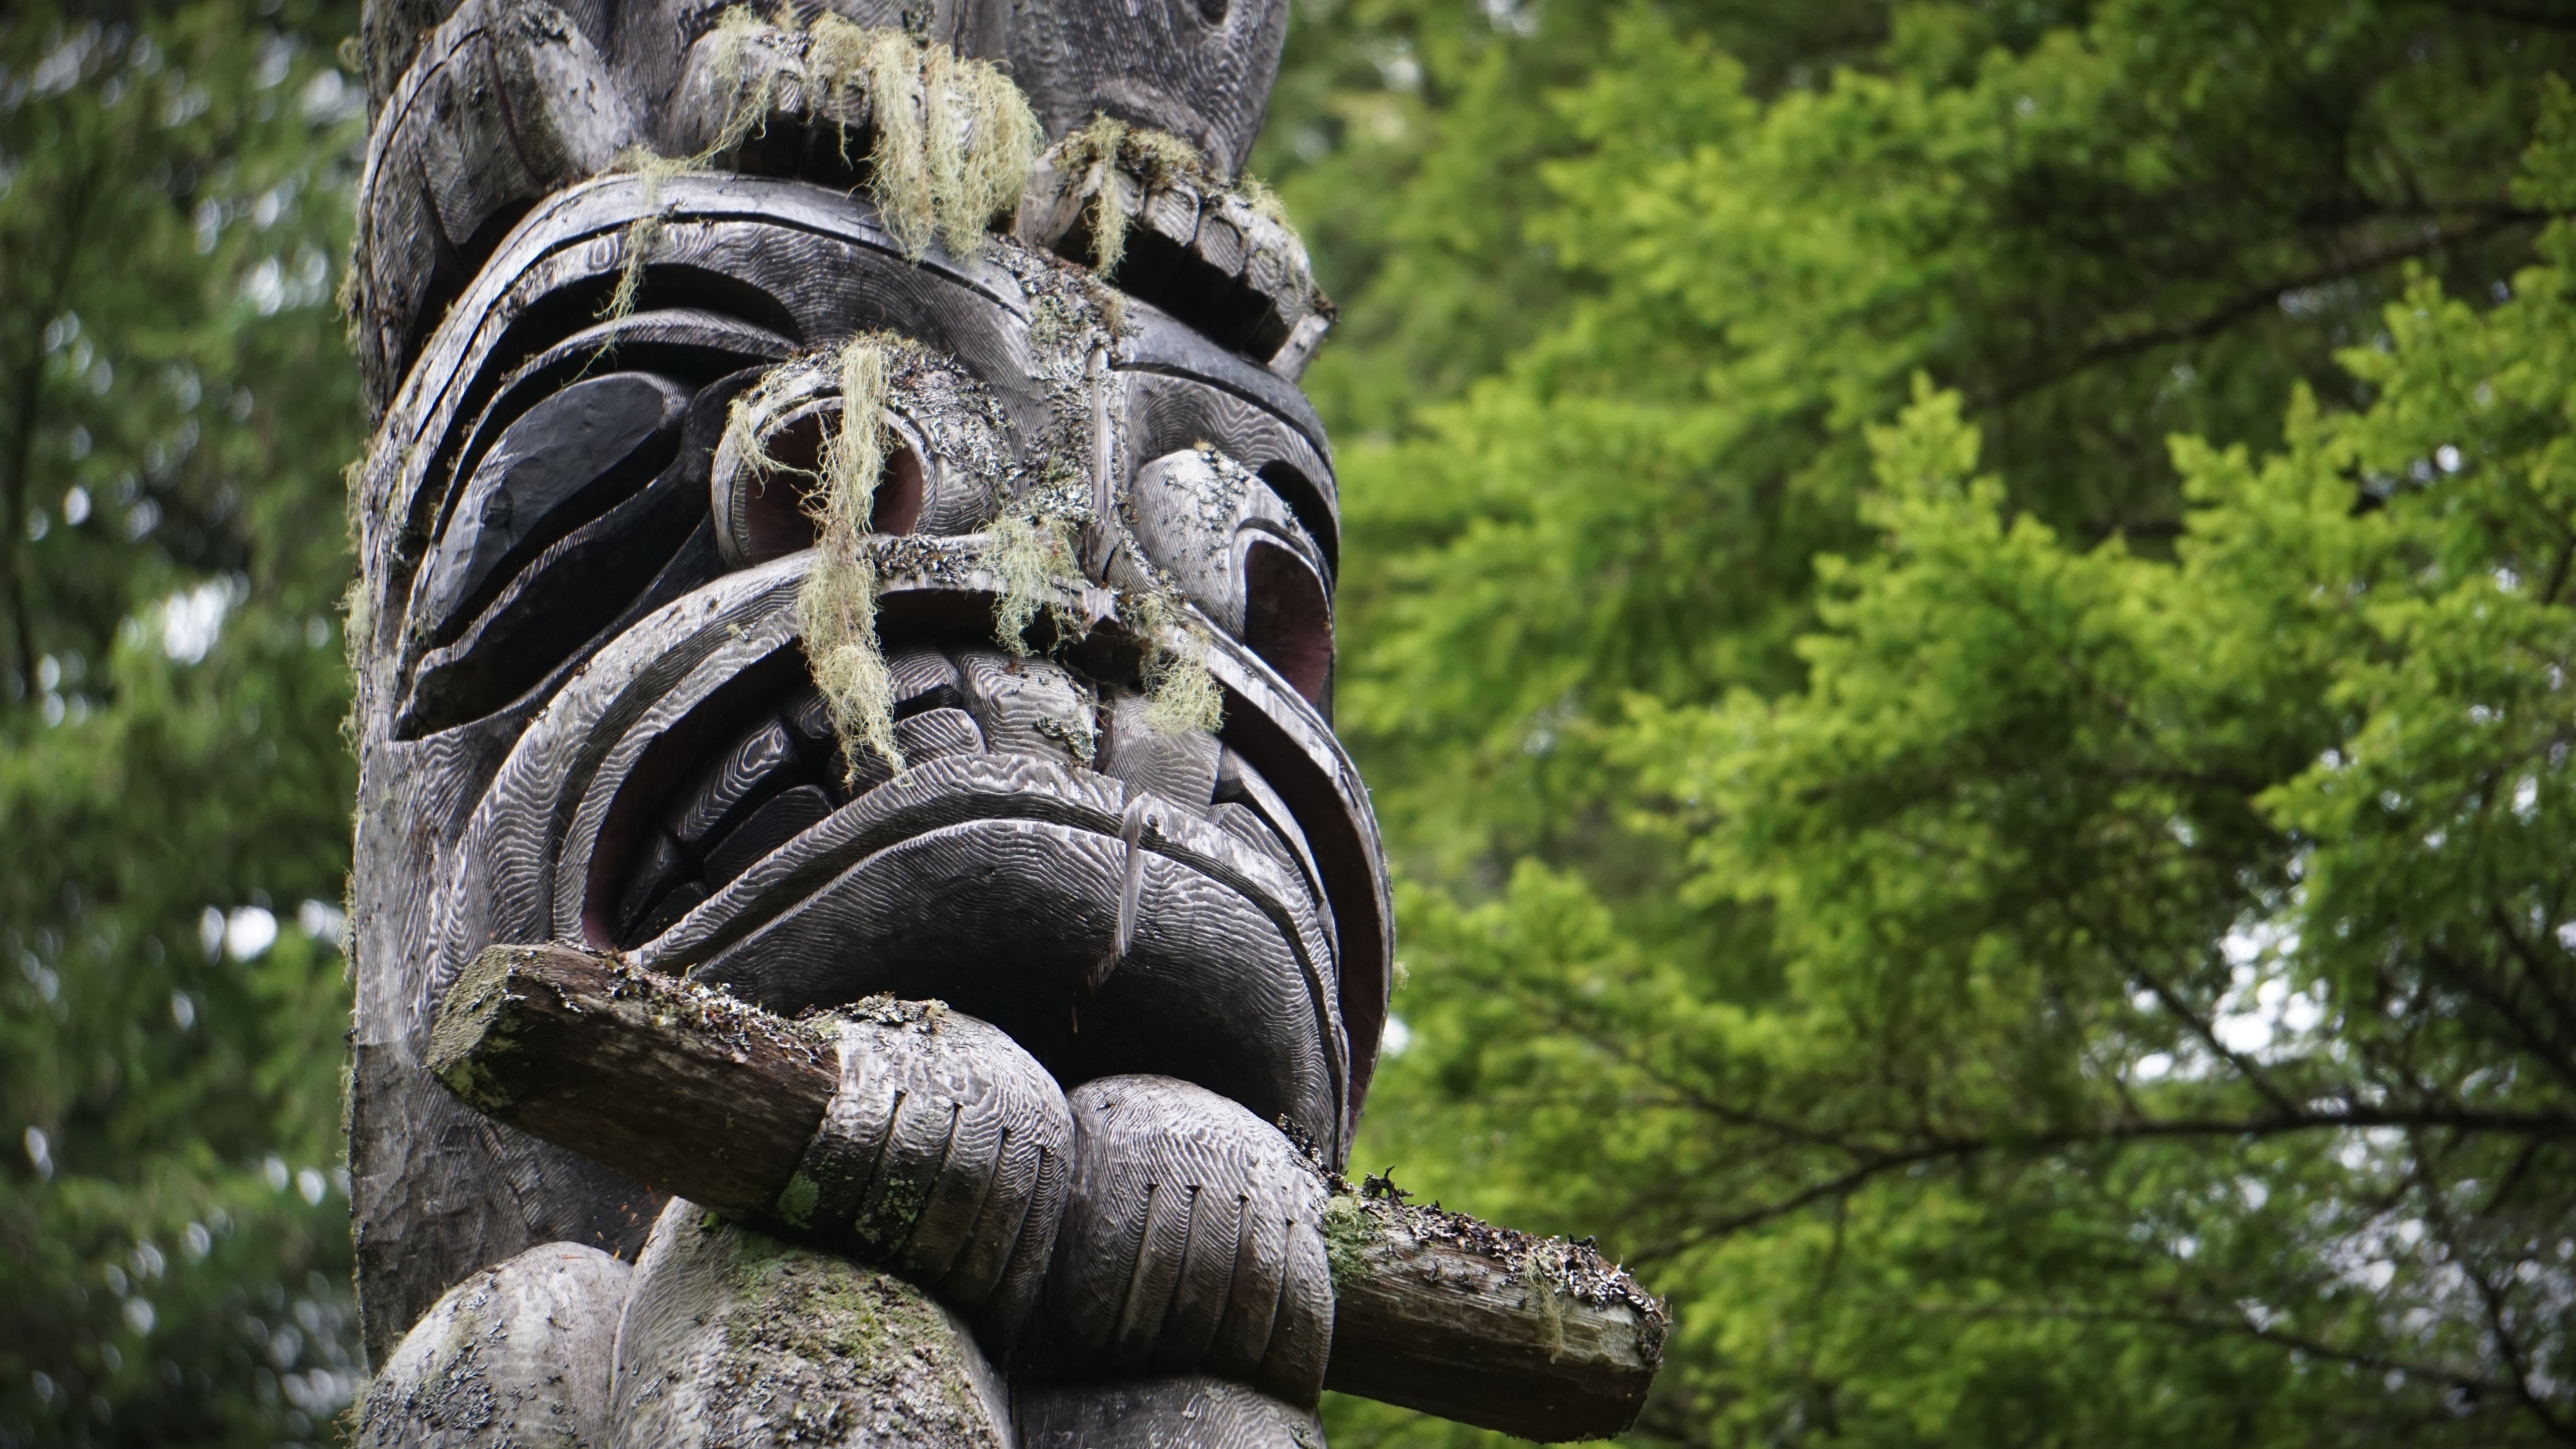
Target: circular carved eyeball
x=765, y=507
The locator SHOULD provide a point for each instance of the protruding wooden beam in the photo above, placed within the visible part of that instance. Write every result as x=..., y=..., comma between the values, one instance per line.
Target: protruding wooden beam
x=703, y=1096
x=1440, y=1312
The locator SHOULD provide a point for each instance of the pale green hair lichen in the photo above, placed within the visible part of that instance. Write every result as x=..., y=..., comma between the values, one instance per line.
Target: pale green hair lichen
x=1107, y=146
x=1181, y=696
x=644, y=233
x=955, y=140
x=837, y=605
x=1028, y=555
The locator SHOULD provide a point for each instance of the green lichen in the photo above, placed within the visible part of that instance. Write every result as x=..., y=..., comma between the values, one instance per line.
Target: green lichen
x=820, y=1341
x=644, y=233
x=1108, y=145
x=795, y=1206
x=1181, y=696
x=954, y=139
x=1349, y=1233
x=1543, y=1275
x=1030, y=555
x=836, y=607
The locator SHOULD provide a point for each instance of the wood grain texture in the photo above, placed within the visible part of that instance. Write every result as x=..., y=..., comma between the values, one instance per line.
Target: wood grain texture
x=1182, y=1209
x=944, y=1151
x=1180, y=1411
x=1192, y=1239
x=1167, y=414
x=1434, y=1309
x=520, y=1354
x=1198, y=69
x=1028, y=706
x=542, y=1039
x=505, y=101
x=1192, y=245
x=662, y=46
x=794, y=259
x=1141, y=753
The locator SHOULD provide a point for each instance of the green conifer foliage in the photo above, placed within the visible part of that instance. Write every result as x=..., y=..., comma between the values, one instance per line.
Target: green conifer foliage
x=1957, y=614
x=175, y=408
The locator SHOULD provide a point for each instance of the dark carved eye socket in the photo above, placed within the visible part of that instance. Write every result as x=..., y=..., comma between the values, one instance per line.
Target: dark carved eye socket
x=566, y=461
x=763, y=516
x=1287, y=618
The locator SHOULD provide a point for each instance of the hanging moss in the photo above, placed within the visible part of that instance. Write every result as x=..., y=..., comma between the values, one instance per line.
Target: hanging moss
x=1107, y=146
x=1181, y=696
x=836, y=609
x=1030, y=554
x=748, y=102
x=1154, y=159
x=954, y=139
x=644, y=233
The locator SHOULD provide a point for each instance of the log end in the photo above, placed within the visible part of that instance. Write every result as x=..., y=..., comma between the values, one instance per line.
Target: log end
x=1537, y=1337
x=683, y=1088
x=477, y=1046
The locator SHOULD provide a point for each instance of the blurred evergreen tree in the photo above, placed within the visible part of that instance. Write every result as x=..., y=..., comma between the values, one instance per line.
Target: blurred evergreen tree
x=2031, y=934
x=175, y=409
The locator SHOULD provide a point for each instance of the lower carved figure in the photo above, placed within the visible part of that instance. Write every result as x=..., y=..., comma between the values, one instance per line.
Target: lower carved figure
x=864, y=932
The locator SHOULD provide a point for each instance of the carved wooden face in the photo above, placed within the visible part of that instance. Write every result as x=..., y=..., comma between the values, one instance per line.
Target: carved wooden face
x=587, y=709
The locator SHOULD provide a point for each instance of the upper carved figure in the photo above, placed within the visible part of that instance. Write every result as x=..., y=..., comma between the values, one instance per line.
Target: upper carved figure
x=843, y=533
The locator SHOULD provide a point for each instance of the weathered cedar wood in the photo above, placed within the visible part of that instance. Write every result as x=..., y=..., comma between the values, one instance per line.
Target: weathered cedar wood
x=1431, y=1310
x=589, y=717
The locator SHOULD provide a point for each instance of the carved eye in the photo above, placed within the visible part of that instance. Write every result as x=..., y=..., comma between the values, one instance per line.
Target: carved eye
x=566, y=461
x=1241, y=553
x=761, y=513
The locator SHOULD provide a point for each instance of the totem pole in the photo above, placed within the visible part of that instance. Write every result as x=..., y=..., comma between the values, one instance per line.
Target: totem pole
x=863, y=931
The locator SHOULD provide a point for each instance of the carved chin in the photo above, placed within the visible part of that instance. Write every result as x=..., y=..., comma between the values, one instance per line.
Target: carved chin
x=1149, y=909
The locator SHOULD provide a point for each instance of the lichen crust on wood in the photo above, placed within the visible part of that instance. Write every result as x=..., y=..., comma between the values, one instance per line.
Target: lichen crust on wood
x=1551, y=1340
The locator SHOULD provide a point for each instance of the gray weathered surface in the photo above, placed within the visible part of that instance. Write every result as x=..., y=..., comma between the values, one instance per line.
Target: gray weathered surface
x=507, y=100
x=1198, y=69
x=944, y=1152
x=1194, y=1237
x=1192, y=1240
x=519, y=1356
x=732, y=1338
x=1434, y=1309
x=1186, y=1411
x=618, y=261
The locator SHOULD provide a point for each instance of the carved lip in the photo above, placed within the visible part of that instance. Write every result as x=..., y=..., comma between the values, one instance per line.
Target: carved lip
x=1108, y=930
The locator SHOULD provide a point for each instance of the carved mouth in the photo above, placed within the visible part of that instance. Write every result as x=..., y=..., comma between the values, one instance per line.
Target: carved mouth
x=1113, y=895
x=1161, y=905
